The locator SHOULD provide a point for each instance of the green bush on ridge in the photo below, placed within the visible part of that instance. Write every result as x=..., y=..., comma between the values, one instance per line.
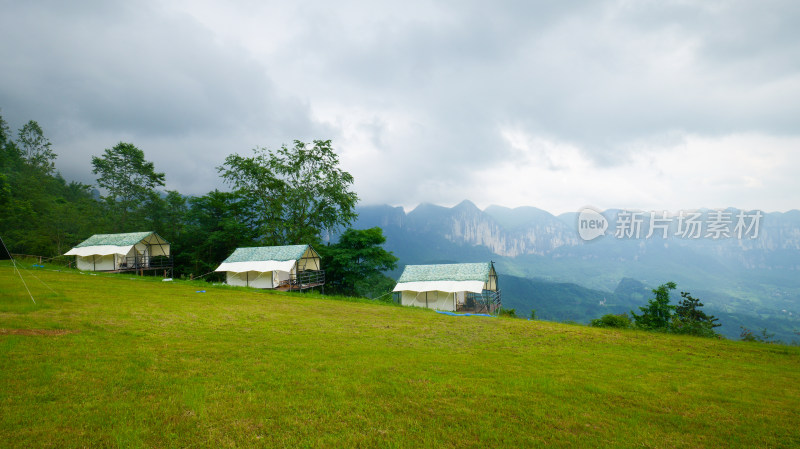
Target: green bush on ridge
x=620, y=321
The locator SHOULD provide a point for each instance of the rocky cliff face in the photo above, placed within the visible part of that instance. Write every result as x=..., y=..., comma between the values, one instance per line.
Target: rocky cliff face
x=466, y=224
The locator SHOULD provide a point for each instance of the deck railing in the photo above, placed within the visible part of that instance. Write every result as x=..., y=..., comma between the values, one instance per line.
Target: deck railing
x=146, y=262
x=305, y=279
x=488, y=301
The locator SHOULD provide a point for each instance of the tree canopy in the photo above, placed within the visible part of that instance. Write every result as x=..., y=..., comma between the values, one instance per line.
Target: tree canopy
x=36, y=148
x=355, y=265
x=689, y=319
x=216, y=224
x=298, y=194
x=129, y=180
x=656, y=315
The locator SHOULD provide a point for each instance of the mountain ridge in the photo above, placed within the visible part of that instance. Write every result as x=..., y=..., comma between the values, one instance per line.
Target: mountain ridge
x=756, y=278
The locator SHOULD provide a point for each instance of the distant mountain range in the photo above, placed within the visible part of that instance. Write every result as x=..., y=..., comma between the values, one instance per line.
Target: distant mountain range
x=545, y=265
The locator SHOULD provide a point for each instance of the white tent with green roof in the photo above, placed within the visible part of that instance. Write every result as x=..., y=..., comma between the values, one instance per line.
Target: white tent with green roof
x=270, y=266
x=452, y=287
x=113, y=252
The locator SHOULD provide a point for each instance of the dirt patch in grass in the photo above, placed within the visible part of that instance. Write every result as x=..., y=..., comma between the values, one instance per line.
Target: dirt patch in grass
x=42, y=332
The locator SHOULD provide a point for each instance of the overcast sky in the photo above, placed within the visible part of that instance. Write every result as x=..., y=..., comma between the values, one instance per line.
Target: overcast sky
x=615, y=104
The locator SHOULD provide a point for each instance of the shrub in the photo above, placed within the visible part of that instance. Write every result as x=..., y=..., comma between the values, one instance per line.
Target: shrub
x=509, y=313
x=620, y=321
x=763, y=337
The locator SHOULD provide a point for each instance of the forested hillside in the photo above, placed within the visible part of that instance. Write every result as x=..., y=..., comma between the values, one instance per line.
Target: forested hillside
x=292, y=195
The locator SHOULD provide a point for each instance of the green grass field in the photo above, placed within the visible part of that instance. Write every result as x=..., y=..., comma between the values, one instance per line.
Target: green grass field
x=120, y=361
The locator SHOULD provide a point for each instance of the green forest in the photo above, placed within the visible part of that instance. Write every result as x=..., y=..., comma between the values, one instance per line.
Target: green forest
x=293, y=195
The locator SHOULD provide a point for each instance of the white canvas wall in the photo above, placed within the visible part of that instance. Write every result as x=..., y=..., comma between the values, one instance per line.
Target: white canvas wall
x=309, y=261
x=461, y=297
x=121, y=260
x=280, y=276
x=107, y=262
x=96, y=263
x=435, y=299
x=491, y=284
x=142, y=252
x=253, y=279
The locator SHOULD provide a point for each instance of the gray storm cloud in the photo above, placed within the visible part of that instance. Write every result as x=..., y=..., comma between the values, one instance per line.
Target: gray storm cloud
x=419, y=98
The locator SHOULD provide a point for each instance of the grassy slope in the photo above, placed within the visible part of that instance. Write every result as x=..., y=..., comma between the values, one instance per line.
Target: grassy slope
x=155, y=364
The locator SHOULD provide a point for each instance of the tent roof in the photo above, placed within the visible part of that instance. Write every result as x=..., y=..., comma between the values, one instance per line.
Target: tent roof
x=126, y=239
x=122, y=244
x=446, y=272
x=262, y=253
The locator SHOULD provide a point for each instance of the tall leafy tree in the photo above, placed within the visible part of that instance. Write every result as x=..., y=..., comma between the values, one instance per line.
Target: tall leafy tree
x=355, y=264
x=657, y=314
x=36, y=147
x=11, y=160
x=176, y=210
x=298, y=193
x=19, y=216
x=5, y=161
x=689, y=319
x=41, y=213
x=5, y=134
x=216, y=224
x=72, y=214
x=129, y=181
x=168, y=215
x=5, y=190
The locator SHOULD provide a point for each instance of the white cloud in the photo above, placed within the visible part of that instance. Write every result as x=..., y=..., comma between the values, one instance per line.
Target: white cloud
x=743, y=171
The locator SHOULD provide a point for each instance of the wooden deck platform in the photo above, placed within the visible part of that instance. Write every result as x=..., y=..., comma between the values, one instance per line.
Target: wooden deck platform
x=296, y=287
